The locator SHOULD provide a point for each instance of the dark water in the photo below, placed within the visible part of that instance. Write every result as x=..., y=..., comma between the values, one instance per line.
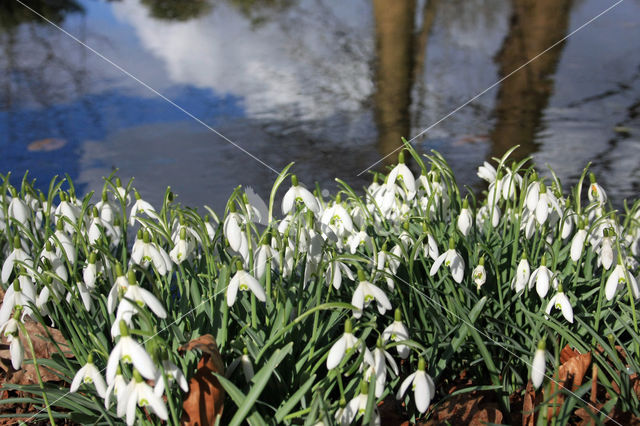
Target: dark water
x=331, y=85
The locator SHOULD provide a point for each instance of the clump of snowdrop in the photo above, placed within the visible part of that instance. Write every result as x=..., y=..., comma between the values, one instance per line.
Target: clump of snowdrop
x=127, y=284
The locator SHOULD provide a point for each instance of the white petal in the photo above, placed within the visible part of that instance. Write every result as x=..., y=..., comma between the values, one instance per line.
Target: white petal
x=538, y=368
x=421, y=392
x=336, y=353
x=153, y=303
x=405, y=384
x=437, y=263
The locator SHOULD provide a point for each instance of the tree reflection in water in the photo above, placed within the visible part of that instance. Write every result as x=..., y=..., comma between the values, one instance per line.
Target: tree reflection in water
x=12, y=13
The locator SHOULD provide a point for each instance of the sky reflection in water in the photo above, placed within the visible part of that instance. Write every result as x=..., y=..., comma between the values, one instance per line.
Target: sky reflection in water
x=330, y=85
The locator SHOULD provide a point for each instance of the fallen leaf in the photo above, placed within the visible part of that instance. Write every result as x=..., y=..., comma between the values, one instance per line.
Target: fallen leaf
x=205, y=400
x=570, y=374
x=46, y=145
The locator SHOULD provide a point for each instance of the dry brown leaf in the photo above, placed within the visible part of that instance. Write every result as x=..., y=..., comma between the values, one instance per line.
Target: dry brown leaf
x=205, y=400
x=43, y=348
x=570, y=375
x=529, y=405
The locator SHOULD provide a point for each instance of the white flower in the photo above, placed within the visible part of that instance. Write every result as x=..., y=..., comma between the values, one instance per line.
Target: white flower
x=401, y=173
x=68, y=210
x=397, y=332
x=538, y=365
x=336, y=220
x=89, y=374
x=533, y=195
x=138, y=393
x=423, y=387
x=483, y=215
x=129, y=351
x=523, y=272
x=173, y=374
x=245, y=362
x=561, y=301
x=453, y=260
x=606, y=250
x=357, y=405
x=577, y=244
x=136, y=297
x=19, y=210
x=10, y=330
x=244, y=281
x=298, y=193
x=380, y=357
x=182, y=249
x=341, y=346
x=431, y=248
x=120, y=285
x=479, y=274
x=232, y=229
x=365, y=293
x=358, y=239
x=145, y=252
x=618, y=279
x=115, y=388
x=20, y=293
x=333, y=274
x=16, y=256
x=263, y=254
x=64, y=245
x=139, y=207
x=487, y=172
x=542, y=277
x=596, y=192
x=464, y=219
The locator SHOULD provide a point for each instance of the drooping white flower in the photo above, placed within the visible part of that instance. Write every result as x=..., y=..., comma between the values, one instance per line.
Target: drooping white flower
x=618, y=280
x=401, y=175
x=244, y=281
x=533, y=194
x=115, y=388
x=397, y=332
x=298, y=193
x=243, y=361
x=118, y=288
x=136, y=297
x=182, y=249
x=130, y=352
x=606, y=252
x=19, y=210
x=380, y=358
x=174, y=374
x=334, y=273
x=232, y=229
x=487, y=172
x=140, y=207
x=139, y=393
x=538, y=365
x=335, y=219
x=452, y=259
x=262, y=255
x=145, y=252
x=341, y=346
x=422, y=385
x=66, y=209
x=523, y=273
x=366, y=293
x=358, y=239
x=431, y=247
x=577, y=244
x=479, y=274
x=486, y=212
x=14, y=260
x=596, y=193
x=20, y=293
x=64, y=246
x=542, y=277
x=561, y=301
x=464, y=219
x=358, y=405
x=10, y=330
x=89, y=374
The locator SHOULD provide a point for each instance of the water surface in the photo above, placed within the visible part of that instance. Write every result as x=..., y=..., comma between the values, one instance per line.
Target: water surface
x=331, y=85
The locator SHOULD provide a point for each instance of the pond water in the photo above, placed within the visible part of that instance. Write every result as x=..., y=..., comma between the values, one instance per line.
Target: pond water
x=331, y=85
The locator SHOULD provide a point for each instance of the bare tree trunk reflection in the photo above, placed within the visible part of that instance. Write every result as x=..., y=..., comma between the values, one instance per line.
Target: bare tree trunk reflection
x=535, y=25
x=394, y=28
